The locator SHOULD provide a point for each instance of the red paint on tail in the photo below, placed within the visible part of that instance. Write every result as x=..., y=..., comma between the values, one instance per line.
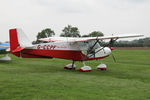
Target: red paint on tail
x=13, y=41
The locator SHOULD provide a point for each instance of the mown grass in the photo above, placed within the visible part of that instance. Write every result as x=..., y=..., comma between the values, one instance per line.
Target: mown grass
x=45, y=79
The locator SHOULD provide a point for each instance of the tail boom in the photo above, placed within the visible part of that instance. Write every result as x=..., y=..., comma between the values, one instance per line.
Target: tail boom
x=17, y=48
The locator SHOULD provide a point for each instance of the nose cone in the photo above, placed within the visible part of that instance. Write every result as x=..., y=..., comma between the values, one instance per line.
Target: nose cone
x=103, y=52
x=107, y=50
x=111, y=48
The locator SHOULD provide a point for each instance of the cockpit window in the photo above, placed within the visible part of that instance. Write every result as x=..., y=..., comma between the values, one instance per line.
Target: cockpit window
x=87, y=45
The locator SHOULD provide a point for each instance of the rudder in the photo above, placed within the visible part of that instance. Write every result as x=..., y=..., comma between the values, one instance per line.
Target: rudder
x=13, y=39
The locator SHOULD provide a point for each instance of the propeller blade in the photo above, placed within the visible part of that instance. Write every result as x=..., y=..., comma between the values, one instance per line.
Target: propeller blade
x=114, y=58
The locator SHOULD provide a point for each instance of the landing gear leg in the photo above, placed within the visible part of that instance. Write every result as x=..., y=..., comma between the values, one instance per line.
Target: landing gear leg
x=70, y=66
x=85, y=68
x=73, y=64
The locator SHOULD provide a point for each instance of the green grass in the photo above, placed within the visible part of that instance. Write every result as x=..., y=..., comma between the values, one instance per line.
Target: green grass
x=45, y=79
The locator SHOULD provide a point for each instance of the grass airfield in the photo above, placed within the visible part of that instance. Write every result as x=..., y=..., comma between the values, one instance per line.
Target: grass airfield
x=45, y=79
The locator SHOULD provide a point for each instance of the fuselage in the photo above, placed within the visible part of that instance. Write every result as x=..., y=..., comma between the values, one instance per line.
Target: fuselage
x=76, y=49
x=65, y=50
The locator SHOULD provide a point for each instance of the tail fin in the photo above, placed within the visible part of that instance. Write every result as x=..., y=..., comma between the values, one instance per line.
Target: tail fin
x=23, y=39
x=18, y=40
x=13, y=39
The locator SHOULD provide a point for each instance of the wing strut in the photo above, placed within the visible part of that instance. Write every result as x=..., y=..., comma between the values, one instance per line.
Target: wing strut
x=97, y=41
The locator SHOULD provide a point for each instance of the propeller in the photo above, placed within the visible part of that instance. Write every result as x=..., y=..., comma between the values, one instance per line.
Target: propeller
x=111, y=43
x=113, y=57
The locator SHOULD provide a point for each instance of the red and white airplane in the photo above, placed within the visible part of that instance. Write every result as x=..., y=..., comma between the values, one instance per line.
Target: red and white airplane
x=75, y=49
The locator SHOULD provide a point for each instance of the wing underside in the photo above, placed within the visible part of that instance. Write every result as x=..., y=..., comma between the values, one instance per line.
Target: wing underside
x=82, y=39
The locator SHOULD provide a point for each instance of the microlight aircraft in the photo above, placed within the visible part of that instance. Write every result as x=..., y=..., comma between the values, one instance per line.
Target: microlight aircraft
x=75, y=49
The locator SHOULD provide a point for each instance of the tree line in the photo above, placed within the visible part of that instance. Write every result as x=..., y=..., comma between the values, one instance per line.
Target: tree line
x=144, y=42
x=68, y=31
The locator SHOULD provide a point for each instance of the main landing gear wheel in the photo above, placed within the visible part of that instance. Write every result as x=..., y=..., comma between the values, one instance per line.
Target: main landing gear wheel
x=70, y=66
x=102, y=67
x=85, y=69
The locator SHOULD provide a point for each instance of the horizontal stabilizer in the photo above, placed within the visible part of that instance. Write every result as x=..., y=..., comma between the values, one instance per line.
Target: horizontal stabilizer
x=18, y=49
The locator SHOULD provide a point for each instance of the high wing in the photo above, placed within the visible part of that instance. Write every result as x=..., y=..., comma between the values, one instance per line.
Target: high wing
x=82, y=39
x=105, y=38
x=52, y=39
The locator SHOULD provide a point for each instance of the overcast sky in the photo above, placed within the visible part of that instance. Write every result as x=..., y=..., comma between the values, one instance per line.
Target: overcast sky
x=107, y=16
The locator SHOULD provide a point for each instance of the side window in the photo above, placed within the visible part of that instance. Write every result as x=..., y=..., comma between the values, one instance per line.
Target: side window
x=92, y=43
x=83, y=45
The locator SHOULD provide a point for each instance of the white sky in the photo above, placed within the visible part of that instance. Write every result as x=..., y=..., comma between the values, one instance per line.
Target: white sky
x=107, y=16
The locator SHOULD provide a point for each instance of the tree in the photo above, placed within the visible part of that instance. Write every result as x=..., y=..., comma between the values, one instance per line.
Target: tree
x=94, y=34
x=70, y=31
x=85, y=35
x=44, y=34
